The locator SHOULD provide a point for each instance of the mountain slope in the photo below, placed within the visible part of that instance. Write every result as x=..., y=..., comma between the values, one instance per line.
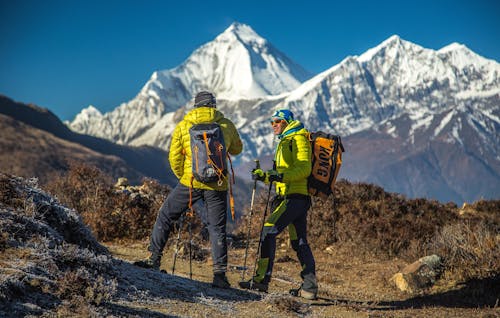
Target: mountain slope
x=31, y=152
x=43, y=144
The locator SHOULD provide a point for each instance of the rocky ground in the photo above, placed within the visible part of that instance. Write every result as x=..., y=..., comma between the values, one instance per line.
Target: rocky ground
x=350, y=286
x=51, y=265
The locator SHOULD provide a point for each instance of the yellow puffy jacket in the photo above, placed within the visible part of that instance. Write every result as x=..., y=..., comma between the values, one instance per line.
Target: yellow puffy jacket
x=180, y=148
x=293, y=159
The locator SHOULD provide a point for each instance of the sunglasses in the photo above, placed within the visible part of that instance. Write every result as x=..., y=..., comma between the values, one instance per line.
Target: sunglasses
x=277, y=121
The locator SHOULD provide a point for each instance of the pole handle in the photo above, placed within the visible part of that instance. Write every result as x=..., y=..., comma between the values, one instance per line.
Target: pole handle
x=257, y=164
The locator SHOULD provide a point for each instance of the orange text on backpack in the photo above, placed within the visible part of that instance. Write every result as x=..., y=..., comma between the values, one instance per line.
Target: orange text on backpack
x=326, y=152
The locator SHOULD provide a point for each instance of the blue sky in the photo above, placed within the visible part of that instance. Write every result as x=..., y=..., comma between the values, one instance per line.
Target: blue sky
x=65, y=55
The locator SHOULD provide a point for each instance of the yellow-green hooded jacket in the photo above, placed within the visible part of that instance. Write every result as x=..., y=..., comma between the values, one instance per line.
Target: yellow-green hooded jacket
x=293, y=159
x=180, y=148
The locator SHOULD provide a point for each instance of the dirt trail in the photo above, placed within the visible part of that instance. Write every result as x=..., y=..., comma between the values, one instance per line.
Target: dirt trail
x=350, y=286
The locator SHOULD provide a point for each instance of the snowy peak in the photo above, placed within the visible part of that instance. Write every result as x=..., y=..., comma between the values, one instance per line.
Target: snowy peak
x=241, y=32
x=396, y=48
x=239, y=64
x=463, y=57
x=91, y=111
x=85, y=118
x=461, y=49
x=453, y=47
x=391, y=48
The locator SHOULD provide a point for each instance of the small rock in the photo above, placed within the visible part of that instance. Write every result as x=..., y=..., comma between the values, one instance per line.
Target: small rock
x=122, y=183
x=330, y=250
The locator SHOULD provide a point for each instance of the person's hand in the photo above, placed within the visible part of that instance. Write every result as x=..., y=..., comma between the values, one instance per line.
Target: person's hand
x=258, y=174
x=273, y=176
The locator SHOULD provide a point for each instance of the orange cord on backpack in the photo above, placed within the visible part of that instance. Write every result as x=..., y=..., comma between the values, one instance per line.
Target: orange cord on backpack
x=220, y=172
x=231, y=197
x=190, y=204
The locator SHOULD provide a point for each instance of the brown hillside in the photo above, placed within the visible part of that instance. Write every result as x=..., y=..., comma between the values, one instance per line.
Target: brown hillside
x=30, y=152
x=147, y=161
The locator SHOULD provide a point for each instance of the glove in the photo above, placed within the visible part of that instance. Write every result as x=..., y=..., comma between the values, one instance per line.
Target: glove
x=273, y=176
x=258, y=174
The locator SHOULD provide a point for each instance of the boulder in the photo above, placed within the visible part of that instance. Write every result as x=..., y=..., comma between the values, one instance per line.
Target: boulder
x=419, y=275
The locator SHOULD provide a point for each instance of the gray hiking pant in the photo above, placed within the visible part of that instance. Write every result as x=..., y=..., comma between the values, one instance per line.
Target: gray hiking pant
x=177, y=203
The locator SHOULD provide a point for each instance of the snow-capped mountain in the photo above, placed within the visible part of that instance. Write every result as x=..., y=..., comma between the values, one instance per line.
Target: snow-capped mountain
x=397, y=77
x=237, y=64
x=417, y=121
x=395, y=80
x=414, y=120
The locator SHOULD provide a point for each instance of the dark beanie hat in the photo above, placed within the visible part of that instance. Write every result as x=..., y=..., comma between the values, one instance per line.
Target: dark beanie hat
x=204, y=98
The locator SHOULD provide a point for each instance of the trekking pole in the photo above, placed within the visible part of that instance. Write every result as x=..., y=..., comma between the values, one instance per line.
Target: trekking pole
x=181, y=221
x=190, y=246
x=262, y=226
x=249, y=222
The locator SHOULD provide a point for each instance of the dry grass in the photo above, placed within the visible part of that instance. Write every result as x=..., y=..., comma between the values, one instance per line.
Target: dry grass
x=377, y=221
x=80, y=286
x=472, y=251
x=288, y=305
x=110, y=213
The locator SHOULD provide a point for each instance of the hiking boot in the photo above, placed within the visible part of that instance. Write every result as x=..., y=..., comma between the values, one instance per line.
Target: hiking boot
x=153, y=262
x=299, y=292
x=254, y=285
x=309, y=287
x=220, y=281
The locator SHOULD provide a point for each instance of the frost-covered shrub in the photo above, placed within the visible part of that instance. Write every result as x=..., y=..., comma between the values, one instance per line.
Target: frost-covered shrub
x=42, y=242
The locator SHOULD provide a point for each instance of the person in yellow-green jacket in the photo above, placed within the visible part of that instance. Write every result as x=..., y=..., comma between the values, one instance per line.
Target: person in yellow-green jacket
x=189, y=190
x=290, y=205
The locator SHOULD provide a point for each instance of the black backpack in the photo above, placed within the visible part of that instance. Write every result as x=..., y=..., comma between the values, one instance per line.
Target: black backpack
x=208, y=152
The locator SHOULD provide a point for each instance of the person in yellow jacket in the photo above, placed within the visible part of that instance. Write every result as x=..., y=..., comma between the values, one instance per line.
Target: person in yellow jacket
x=189, y=190
x=290, y=205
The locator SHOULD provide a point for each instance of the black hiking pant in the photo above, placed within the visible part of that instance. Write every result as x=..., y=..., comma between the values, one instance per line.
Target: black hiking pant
x=288, y=212
x=177, y=203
